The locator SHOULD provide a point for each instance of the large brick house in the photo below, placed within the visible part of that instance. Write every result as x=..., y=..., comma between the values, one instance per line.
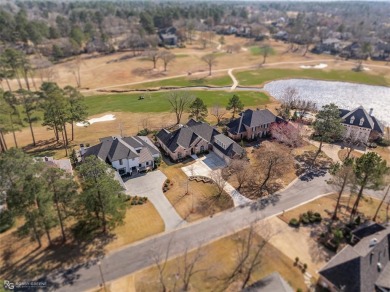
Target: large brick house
x=126, y=155
x=362, y=266
x=197, y=137
x=251, y=124
x=361, y=125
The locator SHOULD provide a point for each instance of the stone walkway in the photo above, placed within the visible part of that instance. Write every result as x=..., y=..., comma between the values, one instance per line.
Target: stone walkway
x=204, y=166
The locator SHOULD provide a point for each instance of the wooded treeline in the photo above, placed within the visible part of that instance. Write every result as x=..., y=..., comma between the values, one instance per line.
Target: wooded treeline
x=62, y=29
x=25, y=105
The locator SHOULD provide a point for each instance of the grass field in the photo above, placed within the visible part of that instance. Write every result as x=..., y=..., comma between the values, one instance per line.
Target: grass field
x=157, y=101
x=186, y=81
x=256, y=51
x=261, y=76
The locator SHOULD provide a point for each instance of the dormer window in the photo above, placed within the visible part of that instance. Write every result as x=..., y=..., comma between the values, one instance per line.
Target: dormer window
x=352, y=120
x=361, y=122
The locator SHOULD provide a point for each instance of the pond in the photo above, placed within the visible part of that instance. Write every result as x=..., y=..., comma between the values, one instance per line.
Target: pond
x=345, y=95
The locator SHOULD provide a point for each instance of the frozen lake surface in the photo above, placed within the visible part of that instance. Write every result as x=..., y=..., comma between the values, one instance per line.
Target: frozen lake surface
x=345, y=95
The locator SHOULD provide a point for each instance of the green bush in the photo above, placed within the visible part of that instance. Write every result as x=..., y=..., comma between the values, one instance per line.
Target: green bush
x=294, y=222
x=304, y=218
x=383, y=142
x=6, y=220
x=143, y=132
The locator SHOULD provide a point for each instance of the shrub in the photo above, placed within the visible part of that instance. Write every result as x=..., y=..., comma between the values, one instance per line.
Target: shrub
x=383, y=142
x=304, y=218
x=6, y=220
x=294, y=222
x=297, y=259
x=168, y=181
x=143, y=132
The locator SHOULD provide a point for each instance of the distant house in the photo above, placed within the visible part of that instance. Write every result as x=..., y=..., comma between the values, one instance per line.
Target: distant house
x=197, y=137
x=167, y=37
x=127, y=155
x=251, y=124
x=363, y=266
x=63, y=164
x=272, y=283
x=281, y=35
x=332, y=46
x=361, y=125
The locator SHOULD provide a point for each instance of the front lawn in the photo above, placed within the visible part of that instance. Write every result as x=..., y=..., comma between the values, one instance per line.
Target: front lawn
x=201, y=200
x=157, y=101
x=20, y=258
x=261, y=76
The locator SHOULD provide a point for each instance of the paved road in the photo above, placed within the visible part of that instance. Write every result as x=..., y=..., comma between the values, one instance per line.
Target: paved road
x=150, y=185
x=140, y=255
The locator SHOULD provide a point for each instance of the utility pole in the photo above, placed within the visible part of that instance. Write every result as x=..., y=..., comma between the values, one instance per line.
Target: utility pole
x=101, y=275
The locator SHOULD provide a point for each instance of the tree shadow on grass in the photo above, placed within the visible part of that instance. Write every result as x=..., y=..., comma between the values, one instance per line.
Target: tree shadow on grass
x=306, y=171
x=59, y=263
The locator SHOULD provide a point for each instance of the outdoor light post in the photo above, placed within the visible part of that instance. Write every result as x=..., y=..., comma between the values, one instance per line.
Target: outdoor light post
x=101, y=275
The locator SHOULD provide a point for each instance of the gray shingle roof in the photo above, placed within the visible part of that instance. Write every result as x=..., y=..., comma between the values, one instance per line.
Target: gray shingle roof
x=251, y=118
x=114, y=148
x=356, y=268
x=145, y=155
x=359, y=113
x=272, y=283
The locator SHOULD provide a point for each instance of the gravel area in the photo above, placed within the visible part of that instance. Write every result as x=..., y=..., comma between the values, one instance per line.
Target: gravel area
x=345, y=95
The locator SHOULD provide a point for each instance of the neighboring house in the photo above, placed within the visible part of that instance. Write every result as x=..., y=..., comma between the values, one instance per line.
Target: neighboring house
x=272, y=283
x=168, y=37
x=251, y=124
x=197, y=137
x=126, y=155
x=63, y=164
x=331, y=46
x=361, y=125
x=363, y=266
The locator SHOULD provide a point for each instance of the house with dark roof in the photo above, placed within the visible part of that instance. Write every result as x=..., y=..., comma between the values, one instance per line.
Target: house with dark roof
x=167, y=37
x=363, y=265
x=361, y=125
x=251, y=124
x=126, y=155
x=197, y=137
x=272, y=283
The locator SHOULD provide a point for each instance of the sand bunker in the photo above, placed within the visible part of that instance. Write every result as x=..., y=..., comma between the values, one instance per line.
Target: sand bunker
x=319, y=66
x=96, y=120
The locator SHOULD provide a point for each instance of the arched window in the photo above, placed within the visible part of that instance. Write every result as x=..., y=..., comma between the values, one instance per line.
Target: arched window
x=202, y=149
x=361, y=122
x=352, y=120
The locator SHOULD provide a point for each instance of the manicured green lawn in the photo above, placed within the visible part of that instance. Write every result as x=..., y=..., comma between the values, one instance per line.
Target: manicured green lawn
x=184, y=81
x=157, y=101
x=257, y=50
x=259, y=77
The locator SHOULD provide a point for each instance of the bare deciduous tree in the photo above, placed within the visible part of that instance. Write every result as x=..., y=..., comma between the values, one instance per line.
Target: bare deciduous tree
x=167, y=57
x=351, y=141
x=271, y=165
x=241, y=171
x=152, y=55
x=179, y=101
x=218, y=112
x=75, y=68
x=219, y=180
x=210, y=60
x=250, y=247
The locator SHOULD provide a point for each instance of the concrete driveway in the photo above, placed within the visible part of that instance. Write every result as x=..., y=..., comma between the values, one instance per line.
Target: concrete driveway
x=211, y=162
x=150, y=185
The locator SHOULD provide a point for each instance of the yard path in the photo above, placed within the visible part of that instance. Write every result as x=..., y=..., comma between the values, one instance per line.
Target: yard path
x=137, y=256
x=202, y=73
x=204, y=166
x=150, y=185
x=235, y=82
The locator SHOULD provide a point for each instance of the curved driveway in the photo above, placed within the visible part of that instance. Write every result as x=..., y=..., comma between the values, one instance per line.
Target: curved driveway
x=140, y=255
x=150, y=185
